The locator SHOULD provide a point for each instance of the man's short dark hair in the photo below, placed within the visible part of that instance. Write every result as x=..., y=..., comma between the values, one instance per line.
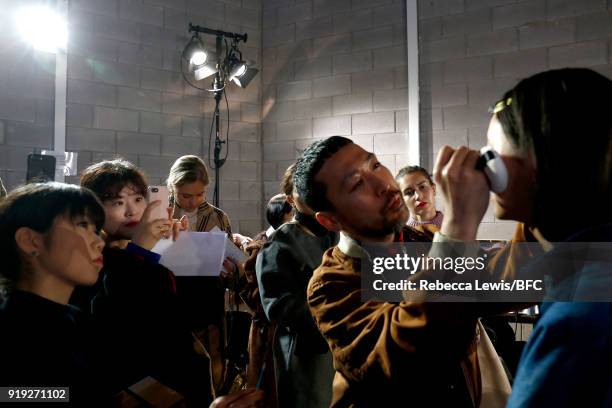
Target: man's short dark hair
x=108, y=178
x=308, y=166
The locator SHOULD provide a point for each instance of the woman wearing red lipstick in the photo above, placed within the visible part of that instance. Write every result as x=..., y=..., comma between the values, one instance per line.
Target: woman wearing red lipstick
x=419, y=193
x=49, y=244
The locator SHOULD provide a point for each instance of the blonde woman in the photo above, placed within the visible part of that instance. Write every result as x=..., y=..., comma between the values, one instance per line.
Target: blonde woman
x=202, y=297
x=188, y=183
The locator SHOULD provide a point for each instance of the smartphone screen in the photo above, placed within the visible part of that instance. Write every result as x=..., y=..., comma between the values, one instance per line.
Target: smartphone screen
x=159, y=193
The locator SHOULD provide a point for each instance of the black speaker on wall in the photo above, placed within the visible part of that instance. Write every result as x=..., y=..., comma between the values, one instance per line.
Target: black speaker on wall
x=41, y=168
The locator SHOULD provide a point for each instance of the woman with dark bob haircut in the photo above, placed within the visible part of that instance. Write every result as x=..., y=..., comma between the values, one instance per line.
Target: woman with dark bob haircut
x=559, y=123
x=553, y=132
x=49, y=244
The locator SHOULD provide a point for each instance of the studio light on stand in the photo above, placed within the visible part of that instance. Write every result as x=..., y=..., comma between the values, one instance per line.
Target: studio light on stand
x=227, y=65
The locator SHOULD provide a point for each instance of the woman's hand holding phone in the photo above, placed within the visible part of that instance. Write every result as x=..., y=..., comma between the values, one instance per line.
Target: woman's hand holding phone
x=150, y=229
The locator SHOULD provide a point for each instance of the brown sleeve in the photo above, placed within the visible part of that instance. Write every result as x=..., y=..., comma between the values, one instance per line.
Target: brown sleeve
x=381, y=339
x=250, y=291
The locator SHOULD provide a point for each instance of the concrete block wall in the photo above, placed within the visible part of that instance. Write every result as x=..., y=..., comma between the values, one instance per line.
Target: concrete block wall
x=126, y=95
x=27, y=89
x=333, y=67
x=472, y=51
x=328, y=67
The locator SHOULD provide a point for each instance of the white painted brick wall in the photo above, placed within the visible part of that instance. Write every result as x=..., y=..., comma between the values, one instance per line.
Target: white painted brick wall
x=353, y=103
x=352, y=21
x=515, y=15
x=442, y=50
x=391, y=100
x=374, y=38
x=520, y=64
x=355, y=62
x=464, y=70
x=325, y=127
x=295, y=91
x=313, y=68
x=319, y=27
x=381, y=122
x=584, y=54
x=293, y=130
x=116, y=119
x=372, y=80
x=138, y=143
x=330, y=86
x=471, y=22
x=390, y=143
x=280, y=150
x=495, y=42
x=177, y=146
x=545, y=34
x=313, y=108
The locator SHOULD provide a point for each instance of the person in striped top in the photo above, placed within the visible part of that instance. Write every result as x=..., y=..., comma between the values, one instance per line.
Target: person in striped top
x=419, y=193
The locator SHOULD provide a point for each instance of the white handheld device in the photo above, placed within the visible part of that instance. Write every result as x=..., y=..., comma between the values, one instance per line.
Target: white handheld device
x=493, y=166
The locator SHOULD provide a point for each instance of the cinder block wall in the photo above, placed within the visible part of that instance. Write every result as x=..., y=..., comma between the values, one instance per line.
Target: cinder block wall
x=333, y=67
x=27, y=90
x=329, y=67
x=126, y=95
x=471, y=51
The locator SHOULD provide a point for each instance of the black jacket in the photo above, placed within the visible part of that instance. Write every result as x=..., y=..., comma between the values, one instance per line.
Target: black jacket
x=140, y=329
x=44, y=343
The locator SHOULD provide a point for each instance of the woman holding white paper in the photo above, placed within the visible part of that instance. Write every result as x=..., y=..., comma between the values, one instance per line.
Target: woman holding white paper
x=202, y=297
x=188, y=184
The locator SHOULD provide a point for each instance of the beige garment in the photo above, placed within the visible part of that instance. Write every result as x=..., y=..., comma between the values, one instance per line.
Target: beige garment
x=495, y=384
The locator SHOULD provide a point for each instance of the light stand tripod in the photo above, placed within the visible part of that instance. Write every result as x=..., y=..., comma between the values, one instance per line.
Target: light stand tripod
x=218, y=88
x=225, y=64
x=229, y=67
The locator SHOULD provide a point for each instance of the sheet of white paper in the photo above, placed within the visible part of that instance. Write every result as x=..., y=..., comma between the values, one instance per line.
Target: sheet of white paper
x=230, y=248
x=193, y=253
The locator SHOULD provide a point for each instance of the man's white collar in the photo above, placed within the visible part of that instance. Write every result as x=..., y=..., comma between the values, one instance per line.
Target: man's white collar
x=350, y=247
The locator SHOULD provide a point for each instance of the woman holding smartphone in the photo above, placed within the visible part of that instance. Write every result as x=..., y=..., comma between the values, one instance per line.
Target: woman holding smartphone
x=135, y=307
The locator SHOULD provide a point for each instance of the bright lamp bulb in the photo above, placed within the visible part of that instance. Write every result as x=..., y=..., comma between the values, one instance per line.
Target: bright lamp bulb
x=43, y=28
x=198, y=58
